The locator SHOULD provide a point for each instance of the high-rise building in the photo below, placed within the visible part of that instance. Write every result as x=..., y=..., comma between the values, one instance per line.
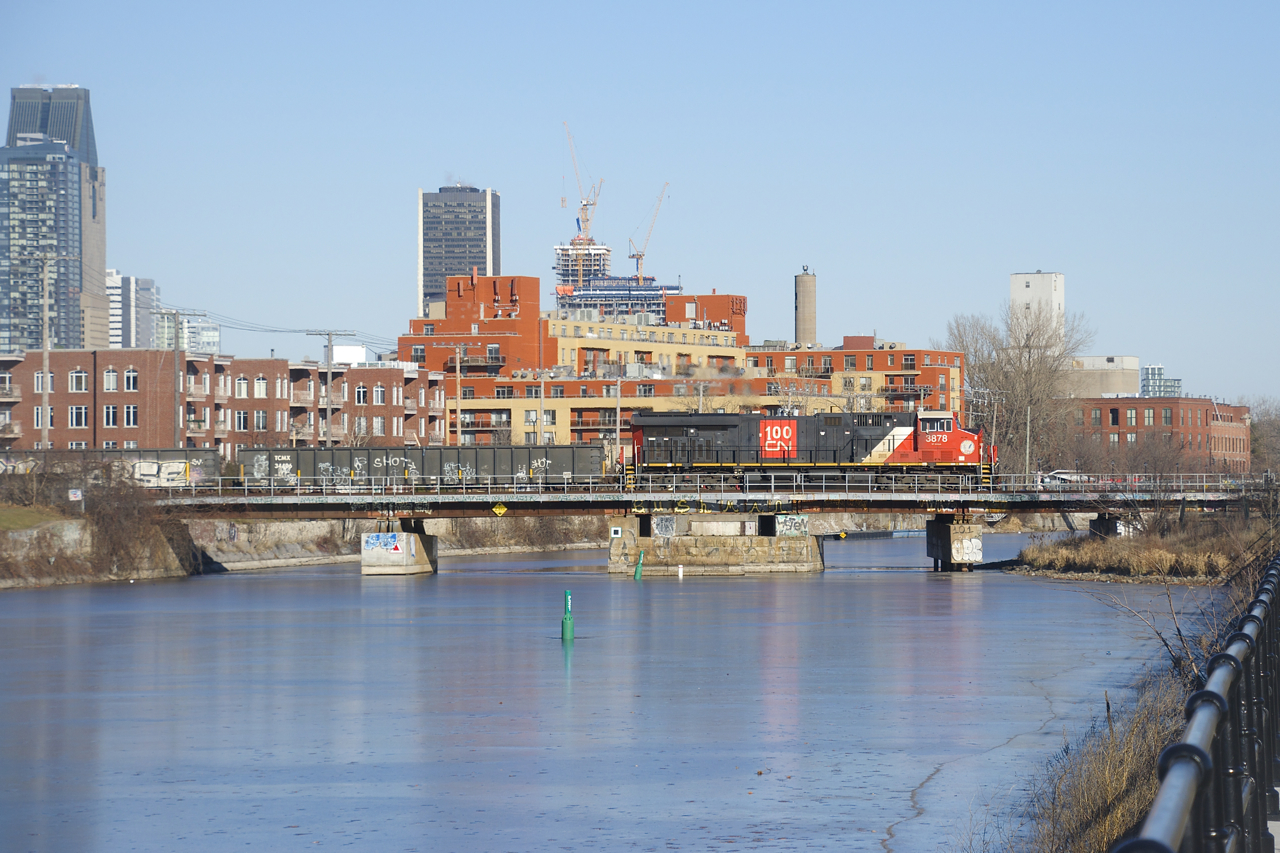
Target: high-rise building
x=1154, y=383
x=458, y=228
x=132, y=302
x=53, y=212
x=1030, y=292
x=196, y=335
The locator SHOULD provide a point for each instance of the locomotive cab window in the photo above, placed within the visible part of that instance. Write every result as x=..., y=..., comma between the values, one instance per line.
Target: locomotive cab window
x=935, y=424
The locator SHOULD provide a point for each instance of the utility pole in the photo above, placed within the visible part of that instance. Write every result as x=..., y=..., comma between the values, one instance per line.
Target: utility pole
x=179, y=416
x=459, y=348
x=617, y=414
x=46, y=261
x=328, y=380
x=1027, y=461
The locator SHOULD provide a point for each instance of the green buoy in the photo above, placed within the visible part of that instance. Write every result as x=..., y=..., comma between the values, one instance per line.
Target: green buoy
x=640, y=566
x=566, y=624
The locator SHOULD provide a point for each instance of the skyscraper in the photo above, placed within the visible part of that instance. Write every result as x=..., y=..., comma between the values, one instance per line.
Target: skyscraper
x=132, y=302
x=458, y=228
x=52, y=211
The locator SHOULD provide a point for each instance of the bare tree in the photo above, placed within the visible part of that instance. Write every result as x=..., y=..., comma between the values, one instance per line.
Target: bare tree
x=1022, y=362
x=1264, y=432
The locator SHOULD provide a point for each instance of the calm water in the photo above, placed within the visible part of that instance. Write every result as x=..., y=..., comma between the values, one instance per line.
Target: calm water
x=310, y=708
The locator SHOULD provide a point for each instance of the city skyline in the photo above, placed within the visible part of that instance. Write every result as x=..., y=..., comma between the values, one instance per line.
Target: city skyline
x=906, y=157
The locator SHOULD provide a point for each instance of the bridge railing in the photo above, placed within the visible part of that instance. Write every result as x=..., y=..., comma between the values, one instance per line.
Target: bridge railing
x=773, y=484
x=1217, y=785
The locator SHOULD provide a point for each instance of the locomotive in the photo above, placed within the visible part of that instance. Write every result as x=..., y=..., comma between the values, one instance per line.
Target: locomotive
x=889, y=442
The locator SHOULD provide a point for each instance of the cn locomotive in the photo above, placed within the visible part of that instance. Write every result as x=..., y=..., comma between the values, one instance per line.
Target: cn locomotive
x=888, y=442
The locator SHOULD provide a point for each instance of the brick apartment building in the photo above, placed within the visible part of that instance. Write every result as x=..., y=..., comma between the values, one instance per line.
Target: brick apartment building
x=1209, y=436
x=124, y=398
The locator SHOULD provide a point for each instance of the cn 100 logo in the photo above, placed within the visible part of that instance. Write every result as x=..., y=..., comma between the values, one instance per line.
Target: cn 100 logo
x=777, y=439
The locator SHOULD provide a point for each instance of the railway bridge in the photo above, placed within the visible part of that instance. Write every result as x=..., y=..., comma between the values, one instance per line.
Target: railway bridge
x=713, y=524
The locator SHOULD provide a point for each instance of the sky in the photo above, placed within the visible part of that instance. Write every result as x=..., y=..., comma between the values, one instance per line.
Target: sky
x=263, y=159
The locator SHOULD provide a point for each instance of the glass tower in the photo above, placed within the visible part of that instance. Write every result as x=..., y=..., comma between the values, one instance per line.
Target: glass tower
x=52, y=212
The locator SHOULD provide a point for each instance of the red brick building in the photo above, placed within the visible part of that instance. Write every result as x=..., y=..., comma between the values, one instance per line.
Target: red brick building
x=1207, y=436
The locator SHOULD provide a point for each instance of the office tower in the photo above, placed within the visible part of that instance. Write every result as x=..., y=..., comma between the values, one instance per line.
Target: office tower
x=132, y=302
x=196, y=335
x=1030, y=292
x=458, y=228
x=52, y=211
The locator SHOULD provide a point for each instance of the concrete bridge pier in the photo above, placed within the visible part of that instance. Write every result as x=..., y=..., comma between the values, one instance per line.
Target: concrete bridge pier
x=713, y=544
x=954, y=544
x=407, y=551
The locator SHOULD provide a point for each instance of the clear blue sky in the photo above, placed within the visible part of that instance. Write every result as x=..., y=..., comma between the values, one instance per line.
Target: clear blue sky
x=263, y=158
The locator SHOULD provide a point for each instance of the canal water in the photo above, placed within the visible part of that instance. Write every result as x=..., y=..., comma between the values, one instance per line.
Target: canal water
x=314, y=708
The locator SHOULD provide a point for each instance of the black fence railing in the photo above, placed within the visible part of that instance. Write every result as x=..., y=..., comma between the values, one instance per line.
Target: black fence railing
x=1217, y=784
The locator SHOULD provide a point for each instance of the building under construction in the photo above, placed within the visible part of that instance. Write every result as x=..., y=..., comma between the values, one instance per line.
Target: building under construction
x=581, y=260
x=617, y=296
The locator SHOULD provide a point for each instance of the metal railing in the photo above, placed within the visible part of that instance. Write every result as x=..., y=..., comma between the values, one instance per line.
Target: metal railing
x=805, y=486
x=1217, y=784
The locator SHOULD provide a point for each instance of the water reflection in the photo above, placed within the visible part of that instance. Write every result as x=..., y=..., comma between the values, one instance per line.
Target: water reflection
x=444, y=713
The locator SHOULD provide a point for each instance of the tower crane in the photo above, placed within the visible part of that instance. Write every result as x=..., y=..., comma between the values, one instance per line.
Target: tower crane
x=638, y=252
x=589, y=197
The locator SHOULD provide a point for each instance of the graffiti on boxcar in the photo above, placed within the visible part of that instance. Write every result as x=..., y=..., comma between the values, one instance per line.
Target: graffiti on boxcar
x=397, y=466
x=456, y=472
x=261, y=466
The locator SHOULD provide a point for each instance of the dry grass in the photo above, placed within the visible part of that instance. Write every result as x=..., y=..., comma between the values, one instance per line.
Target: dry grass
x=1204, y=551
x=24, y=517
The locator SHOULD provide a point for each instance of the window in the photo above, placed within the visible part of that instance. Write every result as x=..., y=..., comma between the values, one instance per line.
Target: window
x=864, y=383
x=242, y=421
x=768, y=362
x=890, y=357
x=789, y=363
x=1167, y=415
x=260, y=419
x=1149, y=417
x=468, y=392
x=850, y=362
x=870, y=362
x=532, y=391
x=530, y=438
x=109, y=416
x=826, y=364
x=37, y=422
x=131, y=417
x=379, y=425
x=131, y=445
x=362, y=425
x=503, y=392
x=418, y=353
x=942, y=381
x=557, y=390
x=1115, y=440
x=927, y=357
x=772, y=389
x=39, y=383
x=908, y=362
x=1131, y=417
x=1115, y=417
x=260, y=388
x=530, y=417
x=1097, y=417
x=362, y=395
x=131, y=380
x=77, y=417
x=78, y=380
x=109, y=380
x=644, y=390
x=75, y=445
x=108, y=445
x=549, y=417
x=1132, y=438
x=379, y=395
x=1079, y=417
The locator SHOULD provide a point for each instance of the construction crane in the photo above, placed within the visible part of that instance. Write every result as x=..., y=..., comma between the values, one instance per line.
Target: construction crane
x=638, y=253
x=586, y=207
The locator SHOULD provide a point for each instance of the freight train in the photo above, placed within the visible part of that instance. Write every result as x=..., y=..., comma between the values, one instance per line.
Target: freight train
x=665, y=446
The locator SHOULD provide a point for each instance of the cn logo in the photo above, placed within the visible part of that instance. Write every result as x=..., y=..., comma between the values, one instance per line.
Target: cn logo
x=777, y=439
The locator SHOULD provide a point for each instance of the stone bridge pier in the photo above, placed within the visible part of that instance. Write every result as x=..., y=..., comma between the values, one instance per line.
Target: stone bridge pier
x=713, y=544
x=409, y=550
x=954, y=543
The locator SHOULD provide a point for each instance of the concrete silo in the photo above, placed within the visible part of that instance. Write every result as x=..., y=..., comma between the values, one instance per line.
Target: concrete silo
x=806, y=308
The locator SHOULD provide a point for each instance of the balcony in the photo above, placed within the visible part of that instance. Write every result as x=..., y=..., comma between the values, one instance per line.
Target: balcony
x=435, y=407
x=10, y=393
x=338, y=434
x=195, y=425
x=492, y=363
x=301, y=398
x=196, y=392
x=10, y=430
x=599, y=423
x=410, y=406
x=303, y=433
x=484, y=421
x=905, y=390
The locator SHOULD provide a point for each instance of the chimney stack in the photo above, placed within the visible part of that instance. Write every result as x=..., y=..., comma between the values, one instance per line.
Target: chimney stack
x=806, y=307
